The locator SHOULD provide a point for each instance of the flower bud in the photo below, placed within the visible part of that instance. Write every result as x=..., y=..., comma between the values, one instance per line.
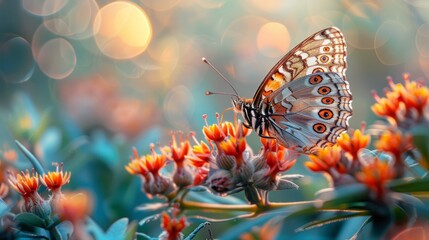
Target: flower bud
x=262, y=180
x=244, y=173
x=226, y=162
x=221, y=181
x=259, y=162
x=182, y=177
x=157, y=184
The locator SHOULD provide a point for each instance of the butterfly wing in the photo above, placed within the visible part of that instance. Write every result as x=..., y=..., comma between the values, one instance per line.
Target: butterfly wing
x=324, y=51
x=311, y=111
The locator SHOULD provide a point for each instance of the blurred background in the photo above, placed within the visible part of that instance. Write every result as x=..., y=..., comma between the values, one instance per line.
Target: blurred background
x=82, y=81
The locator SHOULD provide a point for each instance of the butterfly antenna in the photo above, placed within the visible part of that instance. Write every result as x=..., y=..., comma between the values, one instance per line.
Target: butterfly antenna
x=223, y=77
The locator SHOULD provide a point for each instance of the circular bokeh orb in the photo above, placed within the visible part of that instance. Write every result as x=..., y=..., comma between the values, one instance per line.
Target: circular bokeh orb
x=273, y=39
x=75, y=20
x=57, y=58
x=43, y=7
x=122, y=30
x=16, y=61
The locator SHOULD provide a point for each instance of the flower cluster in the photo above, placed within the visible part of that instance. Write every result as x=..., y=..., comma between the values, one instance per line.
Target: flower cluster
x=225, y=163
x=403, y=105
x=348, y=161
x=172, y=226
x=28, y=183
x=341, y=160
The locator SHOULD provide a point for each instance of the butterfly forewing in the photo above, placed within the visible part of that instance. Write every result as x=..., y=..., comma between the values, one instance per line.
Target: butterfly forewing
x=324, y=51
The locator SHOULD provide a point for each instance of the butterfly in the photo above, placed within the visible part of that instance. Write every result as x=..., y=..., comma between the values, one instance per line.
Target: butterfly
x=304, y=102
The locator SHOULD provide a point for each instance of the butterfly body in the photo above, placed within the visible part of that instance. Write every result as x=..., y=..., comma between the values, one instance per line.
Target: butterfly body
x=304, y=101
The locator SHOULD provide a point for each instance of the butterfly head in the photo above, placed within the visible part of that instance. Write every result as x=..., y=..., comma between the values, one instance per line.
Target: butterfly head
x=240, y=103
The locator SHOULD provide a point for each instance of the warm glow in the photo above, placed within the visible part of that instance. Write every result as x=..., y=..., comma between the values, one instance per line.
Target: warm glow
x=273, y=39
x=122, y=30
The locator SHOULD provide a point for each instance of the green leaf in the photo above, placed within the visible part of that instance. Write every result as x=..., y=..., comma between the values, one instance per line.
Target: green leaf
x=95, y=230
x=36, y=164
x=131, y=231
x=415, y=185
x=30, y=219
x=341, y=217
x=421, y=142
x=65, y=229
x=343, y=197
x=55, y=234
x=208, y=197
x=247, y=225
x=29, y=236
x=118, y=229
x=356, y=235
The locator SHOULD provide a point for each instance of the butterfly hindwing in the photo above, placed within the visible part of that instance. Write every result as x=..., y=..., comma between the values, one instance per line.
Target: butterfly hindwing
x=310, y=112
x=324, y=51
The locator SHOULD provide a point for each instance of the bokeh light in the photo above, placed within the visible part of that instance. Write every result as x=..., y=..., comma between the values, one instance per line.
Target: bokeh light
x=390, y=36
x=122, y=30
x=273, y=39
x=57, y=58
x=43, y=7
x=178, y=107
x=16, y=61
x=359, y=25
x=166, y=52
x=422, y=40
x=75, y=20
x=211, y=3
x=160, y=5
x=268, y=5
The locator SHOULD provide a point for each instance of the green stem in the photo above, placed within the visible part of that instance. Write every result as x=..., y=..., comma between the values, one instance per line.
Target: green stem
x=191, y=205
x=279, y=205
x=34, y=161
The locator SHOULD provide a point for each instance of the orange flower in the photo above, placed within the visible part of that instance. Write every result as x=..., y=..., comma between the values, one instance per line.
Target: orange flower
x=353, y=144
x=136, y=166
x=395, y=143
x=173, y=226
x=149, y=163
x=9, y=154
x=403, y=102
x=216, y=132
x=413, y=94
x=389, y=107
x=201, y=155
x=271, y=145
x=326, y=159
x=74, y=207
x=269, y=230
x=55, y=180
x=200, y=176
x=25, y=183
x=375, y=175
x=178, y=153
x=234, y=147
x=237, y=130
x=279, y=161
